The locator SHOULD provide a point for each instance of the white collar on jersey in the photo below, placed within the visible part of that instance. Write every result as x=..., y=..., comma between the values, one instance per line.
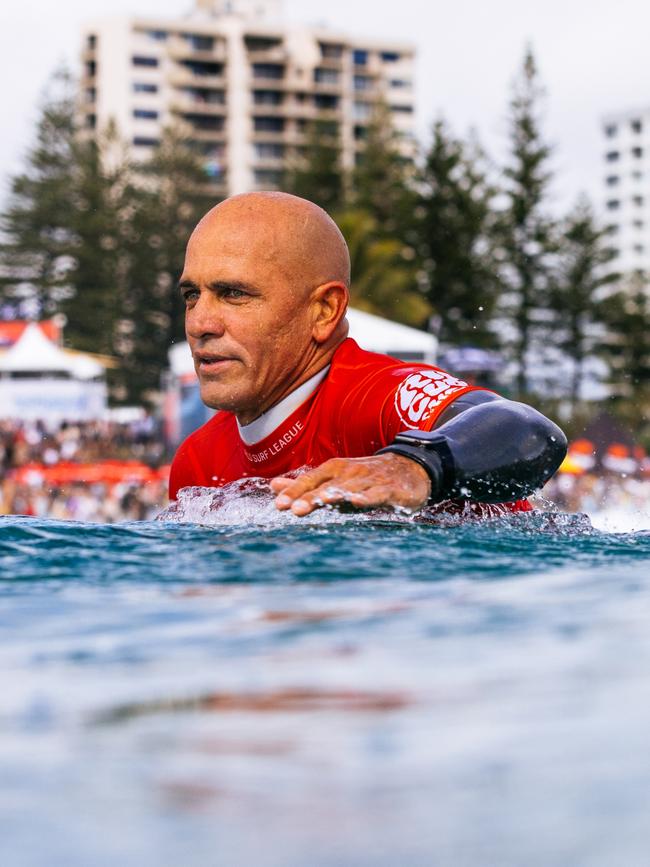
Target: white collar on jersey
x=263, y=426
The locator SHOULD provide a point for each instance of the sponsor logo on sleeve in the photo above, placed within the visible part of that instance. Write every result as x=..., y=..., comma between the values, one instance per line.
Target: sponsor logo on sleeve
x=420, y=393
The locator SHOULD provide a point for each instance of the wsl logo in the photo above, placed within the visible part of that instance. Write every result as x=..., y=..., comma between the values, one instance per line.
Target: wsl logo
x=420, y=393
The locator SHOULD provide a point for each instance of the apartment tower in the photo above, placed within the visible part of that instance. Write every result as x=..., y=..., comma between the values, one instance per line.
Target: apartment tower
x=627, y=187
x=243, y=85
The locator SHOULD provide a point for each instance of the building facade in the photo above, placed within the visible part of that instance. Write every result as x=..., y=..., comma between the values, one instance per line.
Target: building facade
x=243, y=86
x=626, y=156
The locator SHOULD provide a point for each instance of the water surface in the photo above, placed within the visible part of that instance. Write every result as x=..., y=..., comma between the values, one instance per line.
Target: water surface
x=270, y=691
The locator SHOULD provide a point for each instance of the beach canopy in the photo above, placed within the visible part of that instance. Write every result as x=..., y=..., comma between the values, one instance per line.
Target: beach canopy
x=34, y=353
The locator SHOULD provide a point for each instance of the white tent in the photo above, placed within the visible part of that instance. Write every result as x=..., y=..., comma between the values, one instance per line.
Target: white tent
x=39, y=380
x=371, y=332
x=34, y=353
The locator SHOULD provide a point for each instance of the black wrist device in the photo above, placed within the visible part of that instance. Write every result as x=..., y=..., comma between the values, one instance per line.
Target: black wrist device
x=431, y=450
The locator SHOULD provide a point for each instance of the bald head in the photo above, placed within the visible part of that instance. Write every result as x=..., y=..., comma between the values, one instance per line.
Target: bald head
x=265, y=285
x=289, y=233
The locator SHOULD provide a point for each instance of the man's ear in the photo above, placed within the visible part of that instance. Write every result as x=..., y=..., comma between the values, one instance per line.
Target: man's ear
x=329, y=303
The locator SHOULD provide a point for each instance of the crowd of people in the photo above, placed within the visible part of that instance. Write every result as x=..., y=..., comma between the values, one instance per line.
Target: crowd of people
x=101, y=471
x=108, y=471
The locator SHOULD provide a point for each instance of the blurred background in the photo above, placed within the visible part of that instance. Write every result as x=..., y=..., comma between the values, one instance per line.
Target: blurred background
x=487, y=165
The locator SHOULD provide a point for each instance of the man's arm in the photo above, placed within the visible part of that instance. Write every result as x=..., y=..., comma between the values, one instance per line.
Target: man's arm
x=485, y=448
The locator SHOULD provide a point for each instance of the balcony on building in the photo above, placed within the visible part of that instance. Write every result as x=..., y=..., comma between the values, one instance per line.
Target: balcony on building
x=199, y=72
x=266, y=49
x=199, y=100
x=197, y=47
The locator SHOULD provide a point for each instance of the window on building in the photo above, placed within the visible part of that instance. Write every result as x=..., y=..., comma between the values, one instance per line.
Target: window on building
x=359, y=57
x=141, y=141
x=360, y=133
x=269, y=151
x=612, y=180
x=613, y=205
x=91, y=41
x=328, y=128
x=268, y=97
x=638, y=248
x=637, y=176
x=268, y=70
x=204, y=122
x=262, y=43
x=157, y=35
x=198, y=42
x=362, y=110
x=612, y=156
x=203, y=69
x=268, y=177
x=610, y=130
x=637, y=153
x=213, y=150
x=214, y=170
x=91, y=94
x=331, y=52
x=145, y=114
x=362, y=82
x=91, y=69
x=613, y=229
x=390, y=56
x=144, y=87
x=326, y=76
x=402, y=109
x=326, y=101
x=636, y=125
x=400, y=83
x=139, y=60
x=638, y=201
x=268, y=124
x=91, y=121
x=204, y=95
x=638, y=224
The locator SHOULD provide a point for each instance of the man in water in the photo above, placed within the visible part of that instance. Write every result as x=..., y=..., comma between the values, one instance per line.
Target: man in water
x=265, y=285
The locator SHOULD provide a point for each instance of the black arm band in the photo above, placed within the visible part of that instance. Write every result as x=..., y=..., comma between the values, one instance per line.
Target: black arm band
x=495, y=452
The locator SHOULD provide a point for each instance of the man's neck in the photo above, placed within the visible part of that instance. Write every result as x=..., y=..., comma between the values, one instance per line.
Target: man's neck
x=265, y=424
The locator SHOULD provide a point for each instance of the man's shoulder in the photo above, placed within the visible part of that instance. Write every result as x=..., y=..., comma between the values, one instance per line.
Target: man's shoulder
x=219, y=423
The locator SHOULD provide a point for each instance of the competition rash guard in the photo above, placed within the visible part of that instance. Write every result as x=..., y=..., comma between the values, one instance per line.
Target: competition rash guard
x=359, y=407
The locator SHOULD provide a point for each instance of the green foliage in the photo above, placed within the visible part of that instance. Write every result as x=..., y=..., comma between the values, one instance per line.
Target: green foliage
x=526, y=233
x=626, y=348
x=455, y=223
x=579, y=284
x=168, y=195
x=316, y=173
x=37, y=238
x=382, y=279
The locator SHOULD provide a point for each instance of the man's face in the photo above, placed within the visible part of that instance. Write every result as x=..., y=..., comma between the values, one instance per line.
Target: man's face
x=247, y=318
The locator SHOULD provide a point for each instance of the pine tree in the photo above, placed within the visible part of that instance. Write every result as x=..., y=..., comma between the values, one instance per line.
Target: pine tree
x=454, y=222
x=527, y=237
x=627, y=350
x=170, y=193
x=382, y=181
x=37, y=238
x=316, y=172
x=579, y=291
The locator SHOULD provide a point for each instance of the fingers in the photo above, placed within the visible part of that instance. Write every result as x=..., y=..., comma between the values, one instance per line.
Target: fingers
x=291, y=490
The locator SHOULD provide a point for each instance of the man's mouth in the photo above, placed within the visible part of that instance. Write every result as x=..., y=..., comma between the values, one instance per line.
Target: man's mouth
x=211, y=362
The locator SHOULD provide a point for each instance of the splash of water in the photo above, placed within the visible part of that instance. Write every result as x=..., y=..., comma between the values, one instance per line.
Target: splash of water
x=250, y=502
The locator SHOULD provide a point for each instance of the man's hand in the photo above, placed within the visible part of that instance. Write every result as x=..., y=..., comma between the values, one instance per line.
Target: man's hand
x=367, y=483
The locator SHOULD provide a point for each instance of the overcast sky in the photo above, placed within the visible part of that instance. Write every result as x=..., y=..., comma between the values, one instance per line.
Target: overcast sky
x=593, y=57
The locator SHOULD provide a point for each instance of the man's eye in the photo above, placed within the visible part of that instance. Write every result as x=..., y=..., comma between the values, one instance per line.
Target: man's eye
x=234, y=293
x=190, y=295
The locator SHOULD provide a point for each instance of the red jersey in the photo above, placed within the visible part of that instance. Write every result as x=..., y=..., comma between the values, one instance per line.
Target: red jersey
x=361, y=405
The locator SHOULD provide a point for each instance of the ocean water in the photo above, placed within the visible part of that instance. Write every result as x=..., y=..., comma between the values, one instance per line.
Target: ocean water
x=232, y=686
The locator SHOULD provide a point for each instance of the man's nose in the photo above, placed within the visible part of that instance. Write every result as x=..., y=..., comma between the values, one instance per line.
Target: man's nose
x=204, y=318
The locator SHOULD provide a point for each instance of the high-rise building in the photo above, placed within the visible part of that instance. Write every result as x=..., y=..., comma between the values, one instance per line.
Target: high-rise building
x=627, y=187
x=244, y=86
